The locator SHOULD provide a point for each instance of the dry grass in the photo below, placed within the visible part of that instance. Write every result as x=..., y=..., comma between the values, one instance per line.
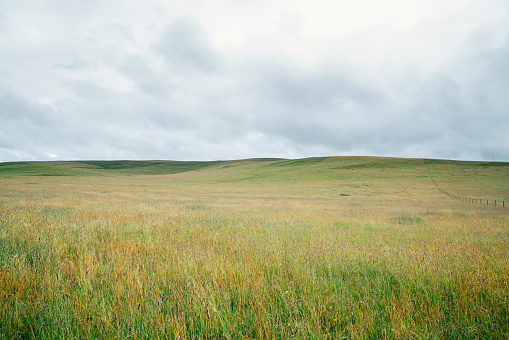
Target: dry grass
x=252, y=251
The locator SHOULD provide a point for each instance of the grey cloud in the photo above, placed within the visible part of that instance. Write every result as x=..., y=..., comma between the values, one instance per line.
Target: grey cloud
x=68, y=132
x=3, y=21
x=465, y=106
x=315, y=89
x=331, y=110
x=15, y=110
x=27, y=126
x=145, y=75
x=320, y=106
x=185, y=47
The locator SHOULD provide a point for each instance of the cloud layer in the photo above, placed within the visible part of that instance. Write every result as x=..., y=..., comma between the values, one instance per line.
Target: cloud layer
x=238, y=79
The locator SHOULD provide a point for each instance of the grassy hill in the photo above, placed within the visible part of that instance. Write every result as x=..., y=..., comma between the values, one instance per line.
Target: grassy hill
x=353, y=175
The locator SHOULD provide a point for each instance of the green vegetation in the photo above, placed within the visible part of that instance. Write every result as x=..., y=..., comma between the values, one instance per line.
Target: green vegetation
x=151, y=167
x=353, y=247
x=101, y=168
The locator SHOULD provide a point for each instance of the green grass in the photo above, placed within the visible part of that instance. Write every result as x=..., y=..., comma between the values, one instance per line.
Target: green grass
x=150, y=167
x=100, y=168
x=336, y=247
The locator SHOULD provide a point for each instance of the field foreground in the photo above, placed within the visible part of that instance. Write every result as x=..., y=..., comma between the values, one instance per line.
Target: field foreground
x=353, y=247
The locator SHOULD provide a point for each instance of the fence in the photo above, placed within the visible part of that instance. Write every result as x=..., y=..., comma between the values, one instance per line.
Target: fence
x=467, y=199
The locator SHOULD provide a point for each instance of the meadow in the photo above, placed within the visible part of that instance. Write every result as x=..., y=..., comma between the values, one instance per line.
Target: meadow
x=317, y=248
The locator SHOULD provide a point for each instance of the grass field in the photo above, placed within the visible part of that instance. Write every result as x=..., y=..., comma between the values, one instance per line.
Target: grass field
x=337, y=247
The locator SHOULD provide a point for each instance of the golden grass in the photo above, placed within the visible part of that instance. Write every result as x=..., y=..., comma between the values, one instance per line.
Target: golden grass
x=228, y=253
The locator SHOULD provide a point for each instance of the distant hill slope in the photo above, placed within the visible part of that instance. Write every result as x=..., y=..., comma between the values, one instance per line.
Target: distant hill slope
x=348, y=175
x=257, y=166
x=108, y=168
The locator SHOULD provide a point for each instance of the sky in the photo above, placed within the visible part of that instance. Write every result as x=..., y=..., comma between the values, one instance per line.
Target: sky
x=236, y=79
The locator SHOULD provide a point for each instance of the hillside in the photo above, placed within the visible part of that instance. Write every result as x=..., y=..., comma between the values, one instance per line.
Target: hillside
x=343, y=176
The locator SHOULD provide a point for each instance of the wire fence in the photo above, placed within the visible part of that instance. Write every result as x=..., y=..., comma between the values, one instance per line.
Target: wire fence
x=469, y=199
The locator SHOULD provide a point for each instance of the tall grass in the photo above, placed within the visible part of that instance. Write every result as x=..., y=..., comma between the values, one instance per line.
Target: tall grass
x=193, y=256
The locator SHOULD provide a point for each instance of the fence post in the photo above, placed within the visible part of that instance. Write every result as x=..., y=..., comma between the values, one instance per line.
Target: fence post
x=495, y=203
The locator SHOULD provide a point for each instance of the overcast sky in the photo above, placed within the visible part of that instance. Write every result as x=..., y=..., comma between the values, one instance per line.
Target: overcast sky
x=230, y=79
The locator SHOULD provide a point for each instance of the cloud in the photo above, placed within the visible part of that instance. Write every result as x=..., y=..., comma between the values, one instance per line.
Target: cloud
x=201, y=80
x=184, y=46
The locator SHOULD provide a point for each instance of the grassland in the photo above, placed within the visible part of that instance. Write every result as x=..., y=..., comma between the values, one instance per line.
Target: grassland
x=338, y=247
